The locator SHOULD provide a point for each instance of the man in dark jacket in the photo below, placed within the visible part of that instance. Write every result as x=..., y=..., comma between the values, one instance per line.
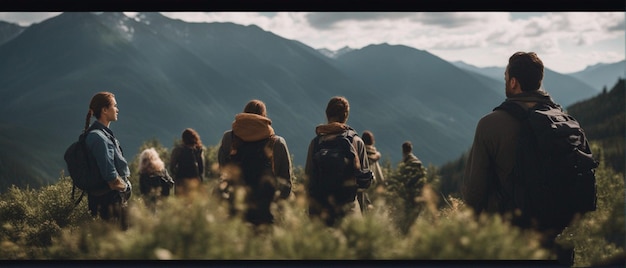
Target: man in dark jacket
x=492, y=156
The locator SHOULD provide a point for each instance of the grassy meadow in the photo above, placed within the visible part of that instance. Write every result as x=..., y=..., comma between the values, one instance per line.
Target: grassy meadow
x=405, y=224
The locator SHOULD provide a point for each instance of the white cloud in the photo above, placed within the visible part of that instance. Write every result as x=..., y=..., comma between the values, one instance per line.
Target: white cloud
x=26, y=18
x=479, y=38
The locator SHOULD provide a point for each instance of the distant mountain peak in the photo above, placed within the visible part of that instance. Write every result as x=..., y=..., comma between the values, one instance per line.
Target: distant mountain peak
x=335, y=53
x=9, y=31
x=118, y=21
x=151, y=18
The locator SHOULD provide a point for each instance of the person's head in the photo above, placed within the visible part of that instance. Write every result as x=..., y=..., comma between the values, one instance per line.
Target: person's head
x=337, y=110
x=407, y=147
x=255, y=107
x=103, y=107
x=150, y=161
x=368, y=137
x=523, y=73
x=191, y=138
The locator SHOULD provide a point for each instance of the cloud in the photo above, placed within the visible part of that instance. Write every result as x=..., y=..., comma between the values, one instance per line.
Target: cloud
x=450, y=20
x=26, y=18
x=487, y=36
x=328, y=20
x=332, y=20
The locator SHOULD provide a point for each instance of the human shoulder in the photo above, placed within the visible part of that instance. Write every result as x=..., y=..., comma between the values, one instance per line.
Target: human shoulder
x=95, y=135
x=279, y=139
x=495, y=118
x=358, y=140
x=227, y=134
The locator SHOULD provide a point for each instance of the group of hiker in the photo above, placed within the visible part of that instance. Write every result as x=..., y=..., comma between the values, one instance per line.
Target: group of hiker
x=341, y=165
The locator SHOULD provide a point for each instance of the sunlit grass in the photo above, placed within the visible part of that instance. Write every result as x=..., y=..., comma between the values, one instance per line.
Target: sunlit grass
x=43, y=224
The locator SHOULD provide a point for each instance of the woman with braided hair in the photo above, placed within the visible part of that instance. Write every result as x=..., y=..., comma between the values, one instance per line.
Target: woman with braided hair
x=110, y=203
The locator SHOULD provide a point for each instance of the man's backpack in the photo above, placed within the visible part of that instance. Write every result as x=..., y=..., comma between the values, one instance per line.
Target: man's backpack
x=553, y=175
x=334, y=171
x=82, y=166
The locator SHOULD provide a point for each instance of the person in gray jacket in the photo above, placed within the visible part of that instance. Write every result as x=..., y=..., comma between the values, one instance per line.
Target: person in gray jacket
x=250, y=127
x=108, y=203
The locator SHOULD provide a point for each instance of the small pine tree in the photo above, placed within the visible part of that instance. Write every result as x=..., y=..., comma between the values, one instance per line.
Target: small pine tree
x=403, y=189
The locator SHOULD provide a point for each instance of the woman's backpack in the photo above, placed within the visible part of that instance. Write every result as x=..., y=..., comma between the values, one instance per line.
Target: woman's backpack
x=189, y=163
x=82, y=166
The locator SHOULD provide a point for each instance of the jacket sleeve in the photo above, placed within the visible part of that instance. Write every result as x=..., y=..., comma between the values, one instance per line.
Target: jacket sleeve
x=200, y=163
x=173, y=165
x=474, y=188
x=144, y=187
x=360, y=147
x=224, y=149
x=103, y=151
x=282, y=166
x=308, y=166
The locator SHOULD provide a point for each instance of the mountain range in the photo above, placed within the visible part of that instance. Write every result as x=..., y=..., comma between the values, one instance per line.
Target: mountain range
x=600, y=77
x=168, y=75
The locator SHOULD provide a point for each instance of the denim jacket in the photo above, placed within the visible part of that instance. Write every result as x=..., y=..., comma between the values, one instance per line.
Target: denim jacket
x=108, y=153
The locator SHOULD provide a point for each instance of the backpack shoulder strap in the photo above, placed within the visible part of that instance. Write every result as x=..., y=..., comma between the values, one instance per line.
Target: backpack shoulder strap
x=350, y=134
x=106, y=134
x=514, y=109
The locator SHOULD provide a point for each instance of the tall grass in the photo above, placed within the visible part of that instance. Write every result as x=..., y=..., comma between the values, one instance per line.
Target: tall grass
x=43, y=224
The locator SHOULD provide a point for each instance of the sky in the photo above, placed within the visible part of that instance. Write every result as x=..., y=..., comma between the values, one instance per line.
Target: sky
x=565, y=41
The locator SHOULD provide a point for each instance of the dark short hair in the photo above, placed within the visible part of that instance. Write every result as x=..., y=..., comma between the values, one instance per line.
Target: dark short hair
x=527, y=68
x=368, y=137
x=407, y=147
x=255, y=107
x=338, y=109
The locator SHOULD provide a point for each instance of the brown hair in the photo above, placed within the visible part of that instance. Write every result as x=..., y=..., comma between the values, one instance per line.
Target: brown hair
x=368, y=137
x=191, y=138
x=338, y=109
x=527, y=68
x=255, y=107
x=98, y=101
x=407, y=147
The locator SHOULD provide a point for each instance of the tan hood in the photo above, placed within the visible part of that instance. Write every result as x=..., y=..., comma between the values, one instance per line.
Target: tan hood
x=331, y=128
x=252, y=127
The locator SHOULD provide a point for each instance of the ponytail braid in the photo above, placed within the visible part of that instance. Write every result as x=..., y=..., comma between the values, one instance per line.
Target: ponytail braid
x=98, y=101
x=88, y=119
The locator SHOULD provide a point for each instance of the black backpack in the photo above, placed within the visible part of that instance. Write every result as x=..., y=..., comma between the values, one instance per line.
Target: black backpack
x=554, y=172
x=334, y=172
x=190, y=163
x=255, y=161
x=82, y=166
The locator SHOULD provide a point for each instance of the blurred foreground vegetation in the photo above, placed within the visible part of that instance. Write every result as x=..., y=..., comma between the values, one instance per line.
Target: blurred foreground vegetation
x=419, y=223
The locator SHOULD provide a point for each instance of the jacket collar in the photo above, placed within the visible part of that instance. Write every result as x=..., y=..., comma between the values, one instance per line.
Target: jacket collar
x=331, y=128
x=252, y=127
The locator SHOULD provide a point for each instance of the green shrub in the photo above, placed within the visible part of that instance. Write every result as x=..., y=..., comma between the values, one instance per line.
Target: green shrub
x=599, y=235
x=30, y=219
x=43, y=224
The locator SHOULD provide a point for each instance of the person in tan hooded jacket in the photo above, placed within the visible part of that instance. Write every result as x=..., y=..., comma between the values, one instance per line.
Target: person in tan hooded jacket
x=330, y=205
x=251, y=126
x=373, y=155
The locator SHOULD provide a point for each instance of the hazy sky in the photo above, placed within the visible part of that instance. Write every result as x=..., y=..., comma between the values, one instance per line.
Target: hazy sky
x=565, y=41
